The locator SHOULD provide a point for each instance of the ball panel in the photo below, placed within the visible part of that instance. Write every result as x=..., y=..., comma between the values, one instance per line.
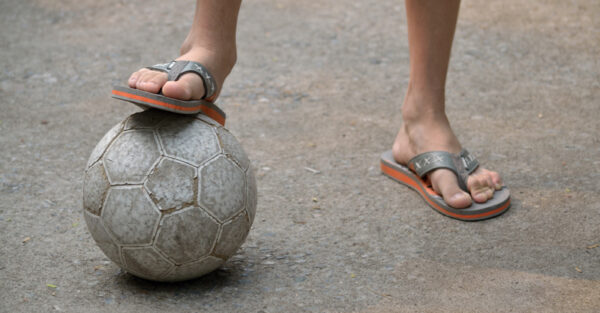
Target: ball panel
x=130, y=215
x=171, y=185
x=102, y=238
x=145, y=120
x=190, y=168
x=207, y=120
x=232, y=236
x=232, y=147
x=251, y=194
x=186, y=235
x=222, y=188
x=104, y=143
x=194, y=269
x=131, y=156
x=95, y=186
x=188, y=139
x=145, y=262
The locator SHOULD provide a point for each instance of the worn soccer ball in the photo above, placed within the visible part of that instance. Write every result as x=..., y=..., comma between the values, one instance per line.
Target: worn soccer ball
x=169, y=197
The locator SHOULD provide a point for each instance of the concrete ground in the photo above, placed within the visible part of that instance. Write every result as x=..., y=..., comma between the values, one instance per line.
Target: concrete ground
x=318, y=86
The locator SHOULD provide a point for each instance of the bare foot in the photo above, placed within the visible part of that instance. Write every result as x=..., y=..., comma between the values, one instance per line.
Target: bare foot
x=426, y=130
x=189, y=86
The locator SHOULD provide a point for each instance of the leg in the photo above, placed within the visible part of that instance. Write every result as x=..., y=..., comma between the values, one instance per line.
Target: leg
x=431, y=25
x=211, y=42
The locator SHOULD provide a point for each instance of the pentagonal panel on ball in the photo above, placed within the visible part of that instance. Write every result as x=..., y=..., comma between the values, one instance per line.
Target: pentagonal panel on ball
x=188, y=139
x=171, y=184
x=194, y=269
x=187, y=235
x=131, y=156
x=102, y=238
x=232, y=236
x=232, y=147
x=146, y=262
x=130, y=215
x=95, y=187
x=222, y=188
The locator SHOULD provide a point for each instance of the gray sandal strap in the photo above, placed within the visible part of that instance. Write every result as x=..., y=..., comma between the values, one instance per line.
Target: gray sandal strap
x=469, y=162
x=461, y=164
x=175, y=69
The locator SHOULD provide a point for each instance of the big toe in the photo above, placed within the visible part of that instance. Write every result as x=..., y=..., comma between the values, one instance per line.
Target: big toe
x=188, y=87
x=445, y=183
x=147, y=80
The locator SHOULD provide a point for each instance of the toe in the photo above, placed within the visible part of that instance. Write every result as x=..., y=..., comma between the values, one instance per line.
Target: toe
x=497, y=180
x=151, y=81
x=481, y=185
x=188, y=87
x=132, y=82
x=490, y=193
x=445, y=183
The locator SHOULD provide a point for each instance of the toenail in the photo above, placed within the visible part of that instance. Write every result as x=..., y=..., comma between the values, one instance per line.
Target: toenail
x=498, y=186
x=459, y=196
x=148, y=84
x=480, y=195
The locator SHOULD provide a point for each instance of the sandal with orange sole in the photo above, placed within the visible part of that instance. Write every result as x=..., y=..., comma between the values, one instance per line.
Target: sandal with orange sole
x=462, y=165
x=174, y=70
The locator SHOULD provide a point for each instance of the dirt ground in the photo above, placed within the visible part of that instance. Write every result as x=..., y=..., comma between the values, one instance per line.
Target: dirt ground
x=315, y=99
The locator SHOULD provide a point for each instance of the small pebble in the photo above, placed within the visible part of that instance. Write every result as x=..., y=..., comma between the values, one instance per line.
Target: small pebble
x=300, y=279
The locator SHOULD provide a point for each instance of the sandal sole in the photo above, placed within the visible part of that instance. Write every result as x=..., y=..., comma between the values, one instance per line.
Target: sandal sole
x=499, y=204
x=146, y=99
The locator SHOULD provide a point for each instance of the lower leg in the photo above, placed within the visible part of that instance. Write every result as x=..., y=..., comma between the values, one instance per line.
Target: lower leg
x=431, y=26
x=211, y=42
x=214, y=31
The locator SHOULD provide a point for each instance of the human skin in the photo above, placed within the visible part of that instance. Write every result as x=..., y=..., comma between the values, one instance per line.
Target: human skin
x=211, y=42
x=431, y=25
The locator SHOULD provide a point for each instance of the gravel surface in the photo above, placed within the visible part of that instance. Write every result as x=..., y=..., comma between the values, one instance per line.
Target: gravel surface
x=315, y=99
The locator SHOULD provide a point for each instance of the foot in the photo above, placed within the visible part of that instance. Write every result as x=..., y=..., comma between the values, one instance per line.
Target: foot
x=189, y=86
x=429, y=130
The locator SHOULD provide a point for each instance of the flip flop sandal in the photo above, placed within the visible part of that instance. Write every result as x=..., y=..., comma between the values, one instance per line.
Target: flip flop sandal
x=462, y=165
x=174, y=70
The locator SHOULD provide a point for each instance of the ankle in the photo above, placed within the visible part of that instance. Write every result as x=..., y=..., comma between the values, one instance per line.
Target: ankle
x=219, y=61
x=423, y=105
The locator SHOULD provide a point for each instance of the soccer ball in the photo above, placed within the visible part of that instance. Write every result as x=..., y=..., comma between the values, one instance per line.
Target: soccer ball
x=169, y=197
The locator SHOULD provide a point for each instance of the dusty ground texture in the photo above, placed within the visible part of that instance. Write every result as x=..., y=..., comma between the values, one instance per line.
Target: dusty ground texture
x=318, y=85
